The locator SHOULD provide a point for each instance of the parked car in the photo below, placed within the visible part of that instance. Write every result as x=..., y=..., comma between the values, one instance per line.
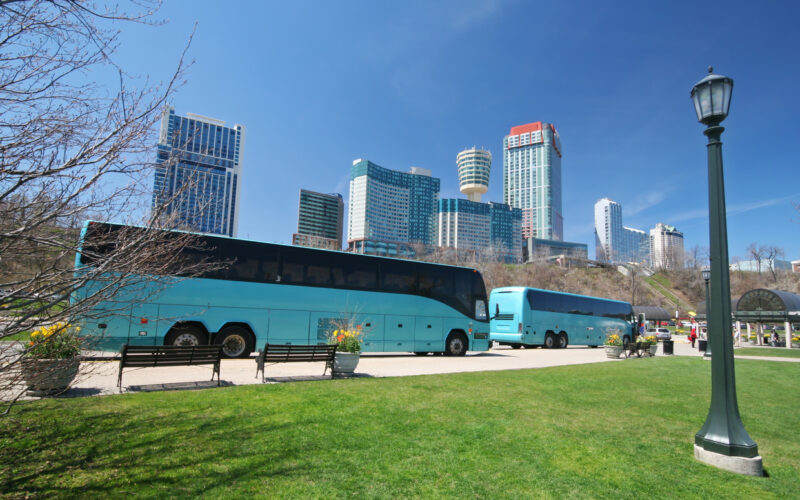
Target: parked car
x=660, y=333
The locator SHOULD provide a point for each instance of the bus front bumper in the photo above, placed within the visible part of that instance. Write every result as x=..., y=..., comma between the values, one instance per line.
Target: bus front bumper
x=506, y=337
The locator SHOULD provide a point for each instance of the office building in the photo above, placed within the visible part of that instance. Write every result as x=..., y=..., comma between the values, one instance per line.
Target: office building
x=492, y=230
x=537, y=249
x=613, y=241
x=532, y=179
x=474, y=166
x=666, y=247
x=198, y=173
x=390, y=211
x=766, y=265
x=319, y=220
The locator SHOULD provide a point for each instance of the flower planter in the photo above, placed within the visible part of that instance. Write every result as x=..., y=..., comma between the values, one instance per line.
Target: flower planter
x=344, y=363
x=44, y=377
x=653, y=349
x=613, y=351
x=795, y=345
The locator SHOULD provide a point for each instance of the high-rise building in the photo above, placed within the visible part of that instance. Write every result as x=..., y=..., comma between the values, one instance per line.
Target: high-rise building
x=481, y=228
x=666, y=247
x=198, y=173
x=319, y=220
x=390, y=210
x=615, y=242
x=474, y=166
x=532, y=179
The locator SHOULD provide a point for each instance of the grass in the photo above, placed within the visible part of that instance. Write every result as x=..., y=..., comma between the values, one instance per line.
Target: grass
x=662, y=280
x=21, y=336
x=657, y=286
x=776, y=352
x=575, y=431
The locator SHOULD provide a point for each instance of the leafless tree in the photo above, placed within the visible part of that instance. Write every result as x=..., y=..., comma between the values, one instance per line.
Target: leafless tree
x=756, y=253
x=72, y=149
x=772, y=253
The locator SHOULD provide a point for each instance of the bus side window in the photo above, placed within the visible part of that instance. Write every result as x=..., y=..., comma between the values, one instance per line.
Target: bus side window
x=463, y=289
x=398, y=277
x=291, y=266
x=318, y=271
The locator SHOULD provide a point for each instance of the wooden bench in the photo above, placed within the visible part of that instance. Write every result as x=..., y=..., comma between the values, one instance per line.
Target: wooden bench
x=146, y=356
x=277, y=353
x=637, y=348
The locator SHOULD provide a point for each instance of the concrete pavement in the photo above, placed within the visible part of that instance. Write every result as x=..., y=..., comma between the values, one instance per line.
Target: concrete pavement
x=100, y=377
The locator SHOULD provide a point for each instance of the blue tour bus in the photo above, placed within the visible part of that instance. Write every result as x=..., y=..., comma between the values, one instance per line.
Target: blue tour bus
x=532, y=317
x=284, y=294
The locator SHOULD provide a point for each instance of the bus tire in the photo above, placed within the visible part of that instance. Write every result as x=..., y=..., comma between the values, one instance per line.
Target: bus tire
x=186, y=334
x=563, y=340
x=237, y=341
x=420, y=353
x=549, y=340
x=516, y=346
x=456, y=344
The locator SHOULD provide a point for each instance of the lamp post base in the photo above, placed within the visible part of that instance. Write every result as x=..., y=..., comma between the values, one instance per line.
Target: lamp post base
x=741, y=465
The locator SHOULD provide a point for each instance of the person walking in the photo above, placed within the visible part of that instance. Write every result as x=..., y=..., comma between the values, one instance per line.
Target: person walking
x=693, y=335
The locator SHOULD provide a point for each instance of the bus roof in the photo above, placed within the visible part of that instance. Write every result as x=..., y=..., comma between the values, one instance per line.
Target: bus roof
x=525, y=288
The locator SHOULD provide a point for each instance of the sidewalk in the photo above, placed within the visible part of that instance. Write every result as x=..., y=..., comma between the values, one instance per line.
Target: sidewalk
x=100, y=377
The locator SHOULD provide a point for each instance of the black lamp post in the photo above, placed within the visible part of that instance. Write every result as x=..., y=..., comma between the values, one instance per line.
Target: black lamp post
x=722, y=441
x=706, y=272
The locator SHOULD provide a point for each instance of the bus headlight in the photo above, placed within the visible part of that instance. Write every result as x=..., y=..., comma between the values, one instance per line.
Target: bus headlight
x=480, y=310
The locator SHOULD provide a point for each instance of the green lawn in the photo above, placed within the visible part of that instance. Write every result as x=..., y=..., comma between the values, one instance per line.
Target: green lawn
x=613, y=430
x=777, y=352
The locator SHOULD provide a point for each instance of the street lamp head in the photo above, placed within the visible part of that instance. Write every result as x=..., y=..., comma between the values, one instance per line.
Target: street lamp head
x=706, y=272
x=712, y=98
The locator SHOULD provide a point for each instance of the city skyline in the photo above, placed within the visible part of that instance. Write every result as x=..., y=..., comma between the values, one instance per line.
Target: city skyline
x=629, y=128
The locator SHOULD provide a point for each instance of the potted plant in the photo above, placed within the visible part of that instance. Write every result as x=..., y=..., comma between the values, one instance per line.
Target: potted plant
x=753, y=339
x=613, y=346
x=51, y=359
x=348, y=337
x=796, y=341
x=653, y=341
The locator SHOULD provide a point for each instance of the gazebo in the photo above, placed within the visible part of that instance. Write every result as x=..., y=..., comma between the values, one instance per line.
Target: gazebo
x=768, y=306
x=652, y=313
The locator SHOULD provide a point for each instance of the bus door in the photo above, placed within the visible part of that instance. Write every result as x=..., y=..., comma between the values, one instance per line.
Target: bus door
x=428, y=334
x=398, y=334
x=288, y=327
x=144, y=324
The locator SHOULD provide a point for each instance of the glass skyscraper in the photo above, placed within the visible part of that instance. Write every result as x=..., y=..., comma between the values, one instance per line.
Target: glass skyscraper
x=198, y=173
x=615, y=242
x=319, y=220
x=390, y=210
x=481, y=227
x=532, y=179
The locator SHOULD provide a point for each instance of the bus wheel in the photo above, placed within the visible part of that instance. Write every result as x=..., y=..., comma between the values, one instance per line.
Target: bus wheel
x=516, y=346
x=549, y=340
x=236, y=342
x=421, y=353
x=563, y=340
x=186, y=335
x=456, y=345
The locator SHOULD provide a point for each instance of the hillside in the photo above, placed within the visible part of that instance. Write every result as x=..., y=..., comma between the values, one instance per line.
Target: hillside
x=664, y=289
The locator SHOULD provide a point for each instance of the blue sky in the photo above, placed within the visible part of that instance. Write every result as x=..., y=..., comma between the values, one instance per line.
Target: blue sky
x=319, y=84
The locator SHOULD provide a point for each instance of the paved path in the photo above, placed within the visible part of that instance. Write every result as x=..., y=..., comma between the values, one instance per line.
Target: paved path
x=98, y=378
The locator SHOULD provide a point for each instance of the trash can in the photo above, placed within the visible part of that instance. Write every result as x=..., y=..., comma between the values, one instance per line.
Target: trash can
x=667, y=347
x=701, y=345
